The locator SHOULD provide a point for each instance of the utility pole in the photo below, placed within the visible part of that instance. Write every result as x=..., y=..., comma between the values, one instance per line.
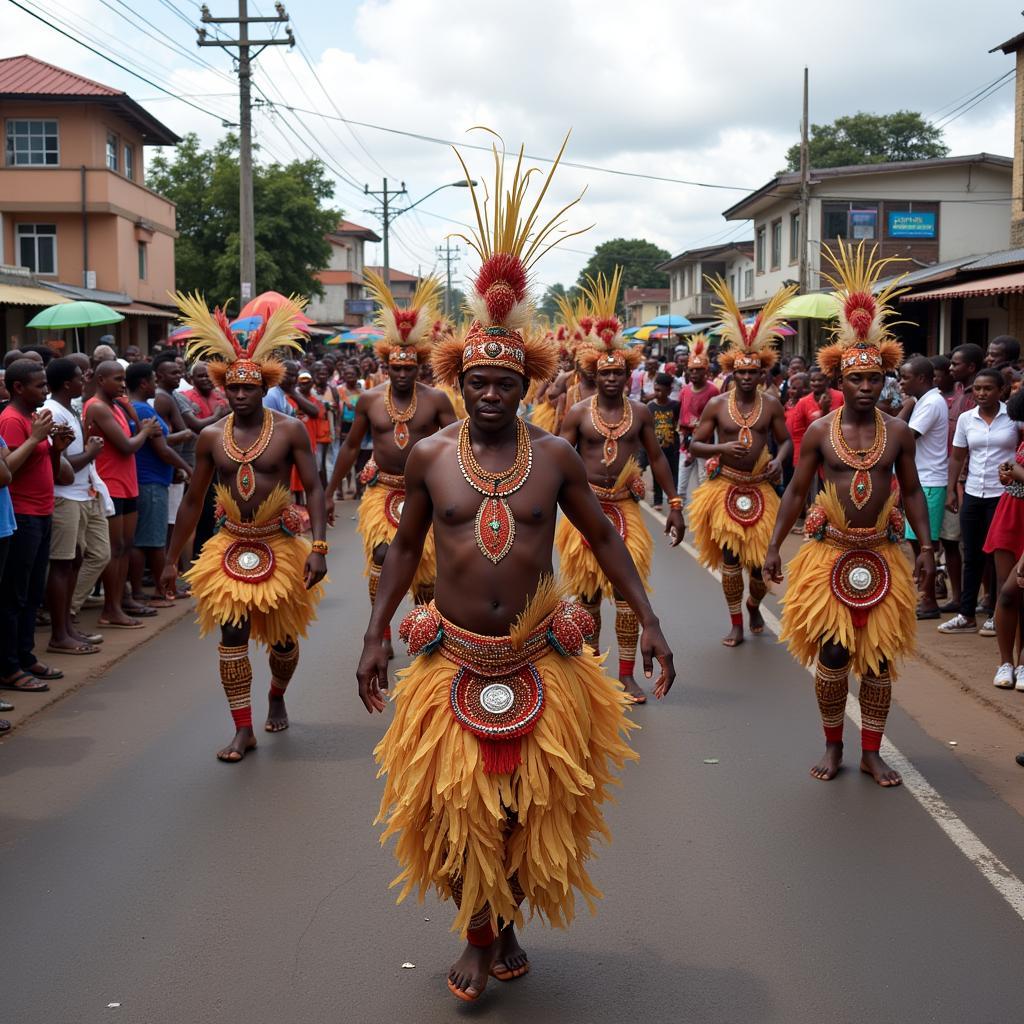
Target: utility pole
x=805, y=203
x=244, y=44
x=451, y=255
x=386, y=217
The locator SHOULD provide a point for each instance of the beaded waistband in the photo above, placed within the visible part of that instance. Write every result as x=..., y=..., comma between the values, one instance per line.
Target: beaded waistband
x=492, y=655
x=289, y=522
x=393, y=480
x=818, y=527
x=634, y=489
x=716, y=468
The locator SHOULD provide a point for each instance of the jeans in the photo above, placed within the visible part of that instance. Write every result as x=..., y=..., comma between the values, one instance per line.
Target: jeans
x=975, y=519
x=95, y=556
x=672, y=455
x=687, y=470
x=22, y=589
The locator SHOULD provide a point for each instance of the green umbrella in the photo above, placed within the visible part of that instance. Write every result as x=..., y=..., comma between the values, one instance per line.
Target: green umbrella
x=813, y=306
x=68, y=315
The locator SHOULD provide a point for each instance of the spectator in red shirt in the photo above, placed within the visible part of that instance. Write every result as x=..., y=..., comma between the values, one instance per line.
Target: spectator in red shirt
x=821, y=401
x=798, y=385
x=694, y=396
x=36, y=461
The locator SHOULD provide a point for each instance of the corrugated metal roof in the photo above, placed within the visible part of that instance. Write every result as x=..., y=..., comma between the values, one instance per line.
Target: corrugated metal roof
x=26, y=295
x=1004, y=258
x=34, y=77
x=1004, y=285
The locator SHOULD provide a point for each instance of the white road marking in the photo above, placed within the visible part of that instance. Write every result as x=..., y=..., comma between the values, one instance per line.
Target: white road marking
x=992, y=869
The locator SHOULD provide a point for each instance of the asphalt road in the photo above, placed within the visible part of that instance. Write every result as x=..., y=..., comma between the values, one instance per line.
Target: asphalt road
x=138, y=871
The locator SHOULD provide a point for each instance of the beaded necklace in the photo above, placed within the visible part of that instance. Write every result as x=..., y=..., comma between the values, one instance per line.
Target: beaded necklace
x=744, y=420
x=245, y=478
x=495, y=524
x=862, y=460
x=401, y=419
x=611, y=432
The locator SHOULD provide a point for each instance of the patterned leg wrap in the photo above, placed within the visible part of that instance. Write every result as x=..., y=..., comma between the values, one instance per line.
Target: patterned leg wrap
x=758, y=588
x=236, y=678
x=831, y=687
x=732, y=587
x=282, y=668
x=595, y=613
x=627, y=632
x=480, y=932
x=372, y=582
x=875, y=697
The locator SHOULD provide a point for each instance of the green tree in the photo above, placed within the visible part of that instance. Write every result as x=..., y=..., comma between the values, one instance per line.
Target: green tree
x=870, y=139
x=292, y=219
x=548, y=306
x=638, y=259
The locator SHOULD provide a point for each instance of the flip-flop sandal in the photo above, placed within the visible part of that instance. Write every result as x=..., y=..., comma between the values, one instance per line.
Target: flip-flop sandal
x=21, y=677
x=464, y=996
x=41, y=671
x=6, y=705
x=79, y=648
x=91, y=638
x=5, y=726
x=141, y=612
x=109, y=624
x=159, y=602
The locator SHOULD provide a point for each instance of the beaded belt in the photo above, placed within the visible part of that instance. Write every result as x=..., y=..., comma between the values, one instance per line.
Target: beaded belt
x=635, y=489
x=249, y=559
x=372, y=475
x=497, y=693
x=817, y=527
x=715, y=468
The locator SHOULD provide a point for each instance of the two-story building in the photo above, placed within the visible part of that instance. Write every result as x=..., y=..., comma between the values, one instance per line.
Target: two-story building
x=74, y=209
x=642, y=305
x=688, y=289
x=344, y=303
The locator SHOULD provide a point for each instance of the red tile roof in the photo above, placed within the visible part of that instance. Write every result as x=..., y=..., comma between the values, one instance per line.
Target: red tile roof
x=338, y=277
x=396, y=275
x=347, y=227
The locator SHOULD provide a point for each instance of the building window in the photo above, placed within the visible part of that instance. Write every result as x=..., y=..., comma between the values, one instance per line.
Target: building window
x=129, y=162
x=675, y=286
x=142, y=261
x=748, y=283
x=794, y=237
x=776, y=244
x=909, y=222
x=112, y=151
x=759, y=250
x=37, y=247
x=32, y=143
x=732, y=285
x=850, y=221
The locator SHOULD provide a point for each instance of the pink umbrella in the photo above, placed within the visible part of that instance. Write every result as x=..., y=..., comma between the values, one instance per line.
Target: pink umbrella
x=266, y=303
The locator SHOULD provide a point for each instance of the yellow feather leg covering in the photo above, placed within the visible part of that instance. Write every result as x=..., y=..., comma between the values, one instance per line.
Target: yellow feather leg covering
x=375, y=528
x=578, y=568
x=812, y=614
x=450, y=817
x=280, y=608
x=544, y=416
x=713, y=528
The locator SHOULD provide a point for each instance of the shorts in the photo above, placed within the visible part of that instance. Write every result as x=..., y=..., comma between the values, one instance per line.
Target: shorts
x=935, y=499
x=151, y=531
x=125, y=506
x=950, y=527
x=70, y=520
x=175, y=492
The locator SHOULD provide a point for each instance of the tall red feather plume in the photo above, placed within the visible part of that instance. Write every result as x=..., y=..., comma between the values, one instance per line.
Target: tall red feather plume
x=224, y=324
x=501, y=283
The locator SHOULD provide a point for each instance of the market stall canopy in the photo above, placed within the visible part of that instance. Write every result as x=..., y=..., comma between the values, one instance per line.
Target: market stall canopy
x=1006, y=284
x=264, y=305
x=668, y=320
x=812, y=306
x=27, y=295
x=68, y=315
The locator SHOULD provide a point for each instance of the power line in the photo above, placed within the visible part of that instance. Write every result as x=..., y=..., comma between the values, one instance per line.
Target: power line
x=954, y=115
x=969, y=93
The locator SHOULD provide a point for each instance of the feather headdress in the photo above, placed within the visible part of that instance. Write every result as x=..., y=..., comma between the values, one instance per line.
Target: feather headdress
x=230, y=362
x=606, y=349
x=408, y=331
x=862, y=339
x=748, y=347
x=509, y=238
x=698, y=356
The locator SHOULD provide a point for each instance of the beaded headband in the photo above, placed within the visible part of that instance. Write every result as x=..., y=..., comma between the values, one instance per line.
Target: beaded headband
x=244, y=371
x=861, y=359
x=494, y=346
x=404, y=355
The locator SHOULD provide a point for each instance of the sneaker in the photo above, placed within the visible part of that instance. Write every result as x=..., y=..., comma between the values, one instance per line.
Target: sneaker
x=989, y=629
x=1004, y=676
x=1020, y=677
x=959, y=624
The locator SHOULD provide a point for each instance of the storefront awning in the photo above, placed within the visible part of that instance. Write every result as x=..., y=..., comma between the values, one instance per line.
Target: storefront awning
x=141, y=309
x=27, y=295
x=1005, y=284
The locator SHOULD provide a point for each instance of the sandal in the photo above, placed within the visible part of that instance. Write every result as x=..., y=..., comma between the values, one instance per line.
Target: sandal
x=41, y=671
x=141, y=612
x=78, y=648
x=6, y=705
x=110, y=624
x=5, y=726
x=24, y=682
x=91, y=638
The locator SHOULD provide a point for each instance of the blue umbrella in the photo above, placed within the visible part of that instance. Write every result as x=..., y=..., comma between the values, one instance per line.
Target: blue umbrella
x=247, y=323
x=668, y=320
x=630, y=331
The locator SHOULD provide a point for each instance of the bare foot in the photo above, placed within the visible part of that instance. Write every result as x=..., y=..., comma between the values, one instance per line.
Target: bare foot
x=243, y=742
x=510, y=961
x=828, y=767
x=734, y=637
x=277, y=715
x=756, y=619
x=872, y=764
x=468, y=976
x=633, y=689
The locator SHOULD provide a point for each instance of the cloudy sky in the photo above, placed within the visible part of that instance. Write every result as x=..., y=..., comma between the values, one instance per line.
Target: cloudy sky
x=706, y=93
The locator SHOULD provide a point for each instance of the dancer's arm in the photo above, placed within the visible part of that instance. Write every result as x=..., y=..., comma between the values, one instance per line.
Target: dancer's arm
x=302, y=455
x=782, y=439
x=675, y=526
x=347, y=454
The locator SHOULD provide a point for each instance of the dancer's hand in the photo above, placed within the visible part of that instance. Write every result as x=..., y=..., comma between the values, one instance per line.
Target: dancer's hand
x=734, y=449
x=924, y=567
x=774, y=469
x=168, y=580
x=773, y=565
x=329, y=508
x=316, y=569
x=654, y=645
x=372, y=669
x=675, y=526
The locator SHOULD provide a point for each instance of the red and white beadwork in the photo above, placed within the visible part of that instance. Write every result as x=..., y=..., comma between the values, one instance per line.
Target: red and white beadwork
x=860, y=579
x=249, y=561
x=744, y=505
x=421, y=630
x=569, y=628
x=393, y=506
x=497, y=707
x=615, y=516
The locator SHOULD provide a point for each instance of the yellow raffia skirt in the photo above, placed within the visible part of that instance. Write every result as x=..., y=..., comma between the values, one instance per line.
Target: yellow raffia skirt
x=458, y=403
x=538, y=823
x=713, y=528
x=812, y=614
x=579, y=569
x=280, y=608
x=376, y=528
x=544, y=416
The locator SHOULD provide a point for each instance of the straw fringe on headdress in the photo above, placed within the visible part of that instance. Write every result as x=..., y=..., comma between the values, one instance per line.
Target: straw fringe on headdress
x=753, y=346
x=698, y=352
x=605, y=348
x=228, y=362
x=863, y=341
x=407, y=332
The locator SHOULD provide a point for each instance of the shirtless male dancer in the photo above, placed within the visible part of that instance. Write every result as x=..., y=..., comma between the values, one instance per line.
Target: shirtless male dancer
x=398, y=414
x=256, y=578
x=734, y=510
x=851, y=601
x=506, y=732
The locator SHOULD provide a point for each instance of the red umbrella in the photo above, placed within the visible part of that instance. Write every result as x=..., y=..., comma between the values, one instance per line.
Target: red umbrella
x=266, y=303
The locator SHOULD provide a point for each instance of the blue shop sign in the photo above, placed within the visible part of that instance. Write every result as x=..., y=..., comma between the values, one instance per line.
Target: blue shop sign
x=911, y=225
